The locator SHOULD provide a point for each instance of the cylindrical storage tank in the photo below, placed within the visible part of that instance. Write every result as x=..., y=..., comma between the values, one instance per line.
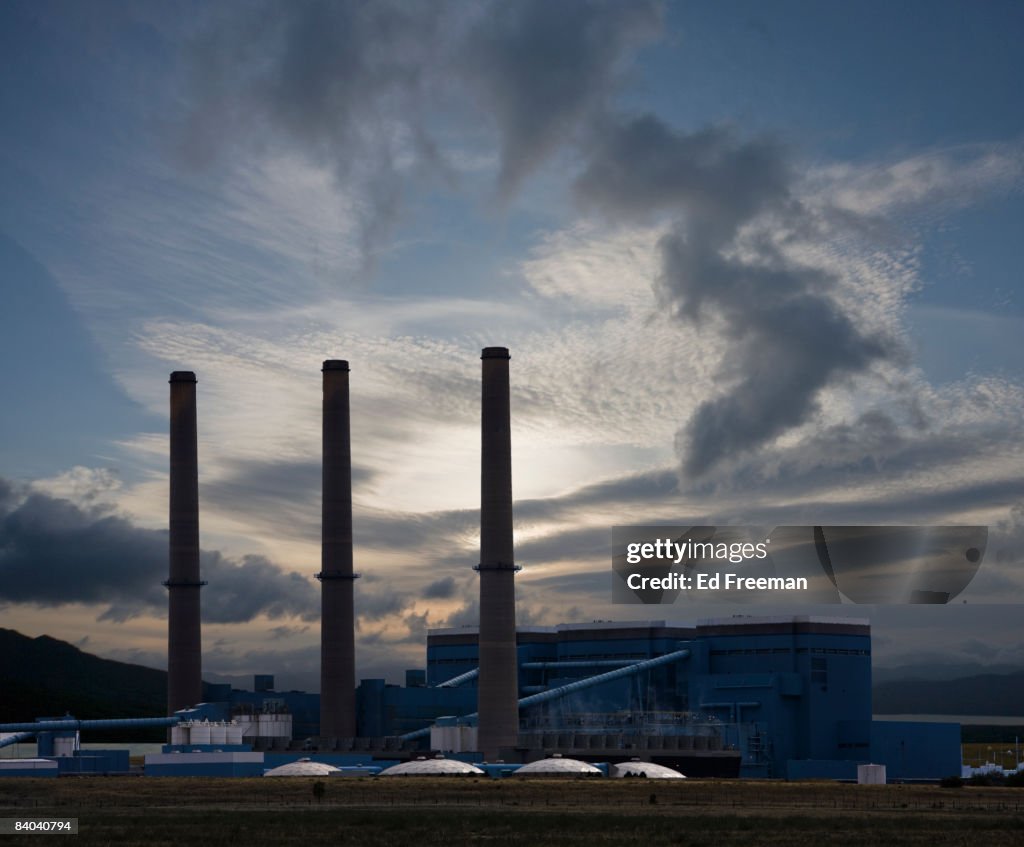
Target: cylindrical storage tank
x=235, y=732
x=218, y=733
x=199, y=734
x=871, y=775
x=249, y=726
x=64, y=745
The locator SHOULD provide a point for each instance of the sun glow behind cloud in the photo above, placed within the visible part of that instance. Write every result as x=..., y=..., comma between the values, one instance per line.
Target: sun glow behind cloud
x=403, y=208
x=597, y=395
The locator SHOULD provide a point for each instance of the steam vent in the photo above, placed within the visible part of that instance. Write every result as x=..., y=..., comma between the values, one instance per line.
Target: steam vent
x=337, y=637
x=498, y=723
x=184, y=639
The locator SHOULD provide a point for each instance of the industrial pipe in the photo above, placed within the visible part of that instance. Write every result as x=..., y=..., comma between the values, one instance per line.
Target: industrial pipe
x=15, y=738
x=577, y=685
x=456, y=681
x=577, y=663
x=590, y=681
x=75, y=724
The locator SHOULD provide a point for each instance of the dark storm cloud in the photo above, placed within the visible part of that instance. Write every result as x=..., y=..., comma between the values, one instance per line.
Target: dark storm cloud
x=872, y=453
x=643, y=166
x=468, y=614
x=359, y=86
x=374, y=604
x=788, y=335
x=242, y=590
x=440, y=589
x=543, y=69
x=327, y=77
x=54, y=552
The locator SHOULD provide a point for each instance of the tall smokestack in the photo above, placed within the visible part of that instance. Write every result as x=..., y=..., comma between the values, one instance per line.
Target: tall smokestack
x=184, y=639
x=498, y=721
x=337, y=637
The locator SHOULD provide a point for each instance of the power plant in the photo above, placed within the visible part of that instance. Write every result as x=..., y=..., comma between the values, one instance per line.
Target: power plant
x=770, y=697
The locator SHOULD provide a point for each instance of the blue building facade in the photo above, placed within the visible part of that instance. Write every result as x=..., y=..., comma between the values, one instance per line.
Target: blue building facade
x=792, y=694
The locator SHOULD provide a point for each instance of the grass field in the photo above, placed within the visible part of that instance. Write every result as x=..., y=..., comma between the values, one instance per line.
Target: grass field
x=130, y=811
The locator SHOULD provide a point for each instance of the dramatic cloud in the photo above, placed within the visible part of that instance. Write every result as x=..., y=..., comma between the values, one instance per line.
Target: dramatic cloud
x=543, y=69
x=440, y=589
x=334, y=79
x=54, y=552
x=359, y=86
x=724, y=262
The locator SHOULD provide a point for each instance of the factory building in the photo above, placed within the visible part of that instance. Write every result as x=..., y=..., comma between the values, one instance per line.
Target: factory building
x=773, y=697
x=777, y=697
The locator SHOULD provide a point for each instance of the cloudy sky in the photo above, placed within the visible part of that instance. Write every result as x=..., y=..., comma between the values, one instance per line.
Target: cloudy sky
x=755, y=263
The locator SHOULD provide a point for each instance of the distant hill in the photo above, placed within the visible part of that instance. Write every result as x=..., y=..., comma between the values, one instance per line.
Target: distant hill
x=938, y=671
x=46, y=677
x=980, y=694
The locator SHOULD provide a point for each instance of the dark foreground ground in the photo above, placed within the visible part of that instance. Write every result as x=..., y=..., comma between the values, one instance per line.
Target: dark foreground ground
x=129, y=811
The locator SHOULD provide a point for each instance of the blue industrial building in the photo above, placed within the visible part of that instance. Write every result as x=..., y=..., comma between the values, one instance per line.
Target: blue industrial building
x=788, y=697
x=775, y=697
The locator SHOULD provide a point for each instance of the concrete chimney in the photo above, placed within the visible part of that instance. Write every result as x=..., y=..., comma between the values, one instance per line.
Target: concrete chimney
x=498, y=721
x=184, y=640
x=337, y=621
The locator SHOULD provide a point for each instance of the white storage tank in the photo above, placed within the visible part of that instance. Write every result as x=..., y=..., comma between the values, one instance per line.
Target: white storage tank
x=453, y=739
x=199, y=733
x=275, y=726
x=871, y=774
x=218, y=733
x=249, y=727
x=65, y=745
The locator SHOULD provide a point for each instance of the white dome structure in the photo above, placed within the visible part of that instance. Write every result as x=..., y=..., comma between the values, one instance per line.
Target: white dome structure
x=558, y=766
x=303, y=767
x=438, y=766
x=645, y=769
